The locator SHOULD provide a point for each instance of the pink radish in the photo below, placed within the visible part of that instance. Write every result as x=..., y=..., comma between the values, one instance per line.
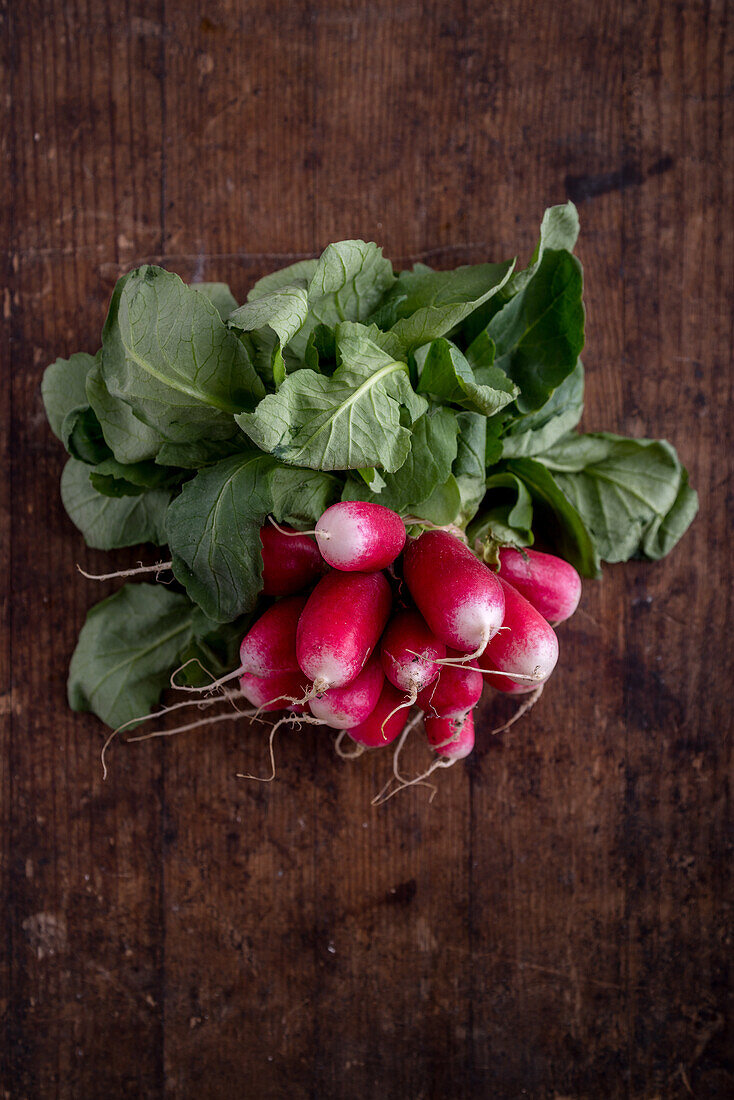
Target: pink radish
x=291, y=561
x=340, y=626
x=270, y=644
x=386, y=722
x=526, y=646
x=452, y=738
x=409, y=653
x=550, y=584
x=273, y=692
x=350, y=705
x=455, y=692
x=360, y=537
x=459, y=597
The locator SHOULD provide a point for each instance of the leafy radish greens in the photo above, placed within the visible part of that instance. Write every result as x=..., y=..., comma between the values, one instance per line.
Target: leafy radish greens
x=452, y=397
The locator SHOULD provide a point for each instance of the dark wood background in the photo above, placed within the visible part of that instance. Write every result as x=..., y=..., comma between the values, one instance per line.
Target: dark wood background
x=555, y=924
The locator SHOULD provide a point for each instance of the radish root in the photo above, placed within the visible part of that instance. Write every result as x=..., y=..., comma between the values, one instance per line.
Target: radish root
x=466, y=656
x=205, y=688
x=292, y=534
x=409, y=702
x=353, y=755
x=159, y=567
x=202, y=704
x=228, y=717
x=529, y=703
x=288, y=719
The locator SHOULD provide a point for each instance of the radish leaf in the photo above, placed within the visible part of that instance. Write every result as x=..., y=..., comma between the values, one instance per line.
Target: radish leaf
x=110, y=522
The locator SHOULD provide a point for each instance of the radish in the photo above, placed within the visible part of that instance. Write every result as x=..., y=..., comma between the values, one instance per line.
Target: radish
x=360, y=537
x=291, y=561
x=350, y=705
x=409, y=652
x=550, y=584
x=459, y=597
x=526, y=646
x=452, y=738
x=340, y=626
x=384, y=723
x=456, y=691
x=274, y=692
x=270, y=644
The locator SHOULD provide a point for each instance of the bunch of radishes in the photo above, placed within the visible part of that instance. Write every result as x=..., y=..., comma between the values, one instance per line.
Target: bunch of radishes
x=365, y=626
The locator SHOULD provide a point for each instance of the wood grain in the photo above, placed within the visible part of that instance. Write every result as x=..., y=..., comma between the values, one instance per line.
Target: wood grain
x=557, y=923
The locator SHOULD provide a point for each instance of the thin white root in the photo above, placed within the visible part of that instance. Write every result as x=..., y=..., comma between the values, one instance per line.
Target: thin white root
x=536, y=677
x=288, y=719
x=271, y=777
x=292, y=534
x=409, y=702
x=159, y=567
x=205, y=689
x=356, y=752
x=318, y=687
x=228, y=717
x=419, y=779
x=202, y=704
x=466, y=656
x=529, y=703
x=401, y=779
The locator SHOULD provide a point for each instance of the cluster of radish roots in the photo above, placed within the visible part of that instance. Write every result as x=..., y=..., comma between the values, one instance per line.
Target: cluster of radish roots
x=218, y=693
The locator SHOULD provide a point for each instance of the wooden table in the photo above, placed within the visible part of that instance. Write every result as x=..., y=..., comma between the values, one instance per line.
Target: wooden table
x=555, y=923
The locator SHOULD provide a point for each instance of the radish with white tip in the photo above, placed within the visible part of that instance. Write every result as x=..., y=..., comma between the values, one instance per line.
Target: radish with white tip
x=340, y=626
x=459, y=597
x=352, y=704
x=526, y=650
x=357, y=536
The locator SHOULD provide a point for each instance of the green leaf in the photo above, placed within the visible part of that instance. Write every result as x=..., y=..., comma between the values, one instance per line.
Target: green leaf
x=84, y=439
x=299, y=274
x=469, y=465
x=435, y=302
x=432, y=451
x=556, y=517
x=127, y=649
x=282, y=312
x=558, y=229
x=220, y=296
x=167, y=353
x=443, y=506
x=301, y=496
x=539, y=334
x=213, y=649
x=109, y=522
x=535, y=432
x=127, y=436
x=446, y=375
x=63, y=389
x=481, y=352
x=115, y=479
x=204, y=452
x=213, y=530
x=344, y=422
x=320, y=353
x=349, y=281
x=622, y=488
x=665, y=531
x=506, y=518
